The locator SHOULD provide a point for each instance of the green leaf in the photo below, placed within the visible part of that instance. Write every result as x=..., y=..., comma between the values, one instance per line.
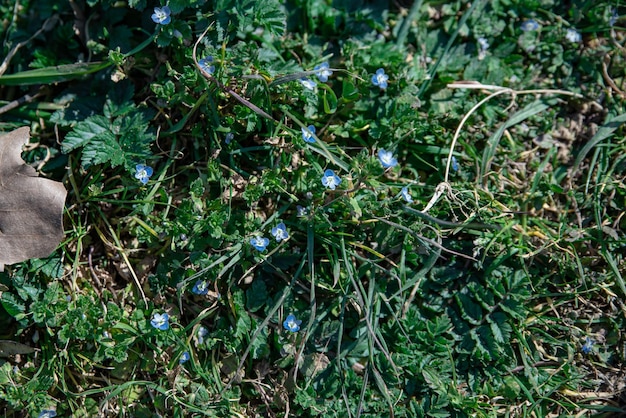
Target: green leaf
x=50, y=75
x=329, y=98
x=12, y=305
x=349, y=92
x=603, y=133
x=256, y=295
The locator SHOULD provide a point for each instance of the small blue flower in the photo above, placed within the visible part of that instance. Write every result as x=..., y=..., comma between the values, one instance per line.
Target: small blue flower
x=573, y=36
x=387, y=159
x=143, y=173
x=613, y=18
x=380, y=78
x=292, y=324
x=308, y=83
x=301, y=211
x=280, y=232
x=161, y=15
x=483, y=47
x=206, y=64
x=330, y=179
x=200, y=288
x=323, y=72
x=202, y=332
x=586, y=348
x=160, y=321
x=229, y=138
x=184, y=357
x=259, y=243
x=483, y=43
x=529, y=25
x=455, y=164
x=307, y=134
x=47, y=413
x=406, y=195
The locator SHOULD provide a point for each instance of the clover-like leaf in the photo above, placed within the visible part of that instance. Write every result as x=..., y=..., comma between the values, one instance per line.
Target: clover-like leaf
x=31, y=207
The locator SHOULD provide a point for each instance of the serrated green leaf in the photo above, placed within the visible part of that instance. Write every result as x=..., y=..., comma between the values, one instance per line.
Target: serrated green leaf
x=84, y=132
x=12, y=305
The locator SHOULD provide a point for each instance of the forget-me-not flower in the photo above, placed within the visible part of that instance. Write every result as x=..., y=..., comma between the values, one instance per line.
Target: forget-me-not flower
x=613, y=18
x=586, y=348
x=160, y=321
x=200, y=288
x=529, y=25
x=483, y=47
x=573, y=35
x=406, y=195
x=161, y=15
x=292, y=324
x=330, y=179
x=455, y=164
x=387, y=159
x=323, y=72
x=207, y=64
x=280, y=232
x=307, y=134
x=184, y=357
x=202, y=332
x=380, y=78
x=47, y=413
x=307, y=83
x=143, y=173
x=259, y=243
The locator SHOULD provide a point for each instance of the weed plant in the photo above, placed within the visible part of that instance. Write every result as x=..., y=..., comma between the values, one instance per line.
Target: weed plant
x=320, y=208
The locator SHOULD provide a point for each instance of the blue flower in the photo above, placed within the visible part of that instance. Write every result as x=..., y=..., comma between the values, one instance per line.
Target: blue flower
x=586, y=348
x=292, y=324
x=301, y=211
x=143, y=173
x=184, y=357
x=307, y=134
x=387, y=159
x=613, y=18
x=323, y=72
x=483, y=43
x=47, y=413
x=380, y=78
x=455, y=164
x=260, y=243
x=229, y=138
x=206, y=65
x=330, y=179
x=529, y=25
x=307, y=83
x=406, y=195
x=161, y=15
x=280, y=232
x=160, y=321
x=484, y=46
x=202, y=332
x=200, y=288
x=573, y=36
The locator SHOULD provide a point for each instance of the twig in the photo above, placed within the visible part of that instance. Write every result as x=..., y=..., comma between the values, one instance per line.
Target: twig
x=47, y=25
x=499, y=90
x=227, y=89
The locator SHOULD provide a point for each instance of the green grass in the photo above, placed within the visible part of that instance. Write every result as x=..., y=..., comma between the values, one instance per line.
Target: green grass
x=478, y=298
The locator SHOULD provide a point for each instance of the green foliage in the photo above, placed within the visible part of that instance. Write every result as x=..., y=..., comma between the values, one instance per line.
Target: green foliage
x=475, y=299
x=121, y=136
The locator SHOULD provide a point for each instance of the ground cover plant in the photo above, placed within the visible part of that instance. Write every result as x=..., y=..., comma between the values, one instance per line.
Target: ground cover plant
x=319, y=208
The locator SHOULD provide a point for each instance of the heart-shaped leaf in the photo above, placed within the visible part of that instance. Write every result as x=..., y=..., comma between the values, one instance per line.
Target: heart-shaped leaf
x=31, y=207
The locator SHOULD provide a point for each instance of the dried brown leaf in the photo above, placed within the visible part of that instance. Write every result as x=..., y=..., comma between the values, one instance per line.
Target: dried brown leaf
x=31, y=207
